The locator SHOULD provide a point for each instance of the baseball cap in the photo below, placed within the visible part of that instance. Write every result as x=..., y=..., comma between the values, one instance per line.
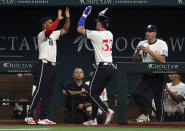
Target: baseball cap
x=151, y=28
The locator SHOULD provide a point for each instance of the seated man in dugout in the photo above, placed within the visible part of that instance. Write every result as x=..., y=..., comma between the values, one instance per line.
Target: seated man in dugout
x=174, y=99
x=75, y=92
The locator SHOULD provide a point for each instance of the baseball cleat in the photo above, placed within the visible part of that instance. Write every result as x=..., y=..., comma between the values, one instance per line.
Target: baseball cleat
x=29, y=121
x=143, y=118
x=91, y=122
x=109, y=115
x=45, y=122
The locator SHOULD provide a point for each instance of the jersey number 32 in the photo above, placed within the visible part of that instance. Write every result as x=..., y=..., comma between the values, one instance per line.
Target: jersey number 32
x=107, y=45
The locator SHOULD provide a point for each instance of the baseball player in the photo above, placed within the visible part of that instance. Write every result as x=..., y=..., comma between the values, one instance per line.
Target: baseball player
x=174, y=99
x=102, y=40
x=150, y=50
x=44, y=78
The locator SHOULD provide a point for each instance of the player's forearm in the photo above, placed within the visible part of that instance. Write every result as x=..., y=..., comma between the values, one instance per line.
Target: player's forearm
x=136, y=56
x=157, y=57
x=81, y=30
x=71, y=92
x=66, y=27
x=81, y=25
x=176, y=98
x=81, y=22
x=52, y=27
x=74, y=92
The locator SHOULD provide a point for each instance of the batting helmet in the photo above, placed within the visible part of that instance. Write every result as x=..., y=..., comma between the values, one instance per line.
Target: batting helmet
x=104, y=20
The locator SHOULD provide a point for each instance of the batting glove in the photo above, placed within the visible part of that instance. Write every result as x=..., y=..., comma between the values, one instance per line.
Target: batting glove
x=87, y=11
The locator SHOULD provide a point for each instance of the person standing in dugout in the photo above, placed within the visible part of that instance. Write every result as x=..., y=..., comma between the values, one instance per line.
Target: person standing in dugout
x=150, y=50
x=44, y=78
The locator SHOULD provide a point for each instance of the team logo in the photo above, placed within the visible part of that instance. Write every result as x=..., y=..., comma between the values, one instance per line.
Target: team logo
x=165, y=52
x=182, y=94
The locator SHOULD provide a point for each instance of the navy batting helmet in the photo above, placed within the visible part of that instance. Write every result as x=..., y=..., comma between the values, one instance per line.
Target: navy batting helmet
x=104, y=20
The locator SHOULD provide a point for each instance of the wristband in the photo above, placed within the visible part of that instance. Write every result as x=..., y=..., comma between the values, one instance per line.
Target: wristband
x=82, y=21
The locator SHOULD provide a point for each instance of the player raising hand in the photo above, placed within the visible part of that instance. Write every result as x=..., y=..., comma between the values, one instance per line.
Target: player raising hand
x=102, y=40
x=45, y=73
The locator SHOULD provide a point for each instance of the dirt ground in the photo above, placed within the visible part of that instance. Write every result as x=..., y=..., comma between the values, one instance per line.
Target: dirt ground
x=129, y=125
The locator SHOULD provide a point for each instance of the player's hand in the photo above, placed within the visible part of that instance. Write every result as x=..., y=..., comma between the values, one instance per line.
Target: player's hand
x=60, y=17
x=67, y=13
x=87, y=11
x=83, y=93
x=80, y=106
x=166, y=87
x=139, y=48
x=146, y=49
x=64, y=92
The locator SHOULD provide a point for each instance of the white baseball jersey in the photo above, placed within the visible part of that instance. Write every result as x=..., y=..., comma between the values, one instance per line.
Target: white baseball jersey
x=159, y=47
x=169, y=104
x=103, y=97
x=48, y=46
x=102, y=42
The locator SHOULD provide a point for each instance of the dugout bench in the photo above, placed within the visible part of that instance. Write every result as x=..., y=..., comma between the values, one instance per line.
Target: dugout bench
x=16, y=83
x=123, y=68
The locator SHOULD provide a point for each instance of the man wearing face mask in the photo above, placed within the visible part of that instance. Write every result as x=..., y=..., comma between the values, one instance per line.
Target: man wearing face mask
x=150, y=50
